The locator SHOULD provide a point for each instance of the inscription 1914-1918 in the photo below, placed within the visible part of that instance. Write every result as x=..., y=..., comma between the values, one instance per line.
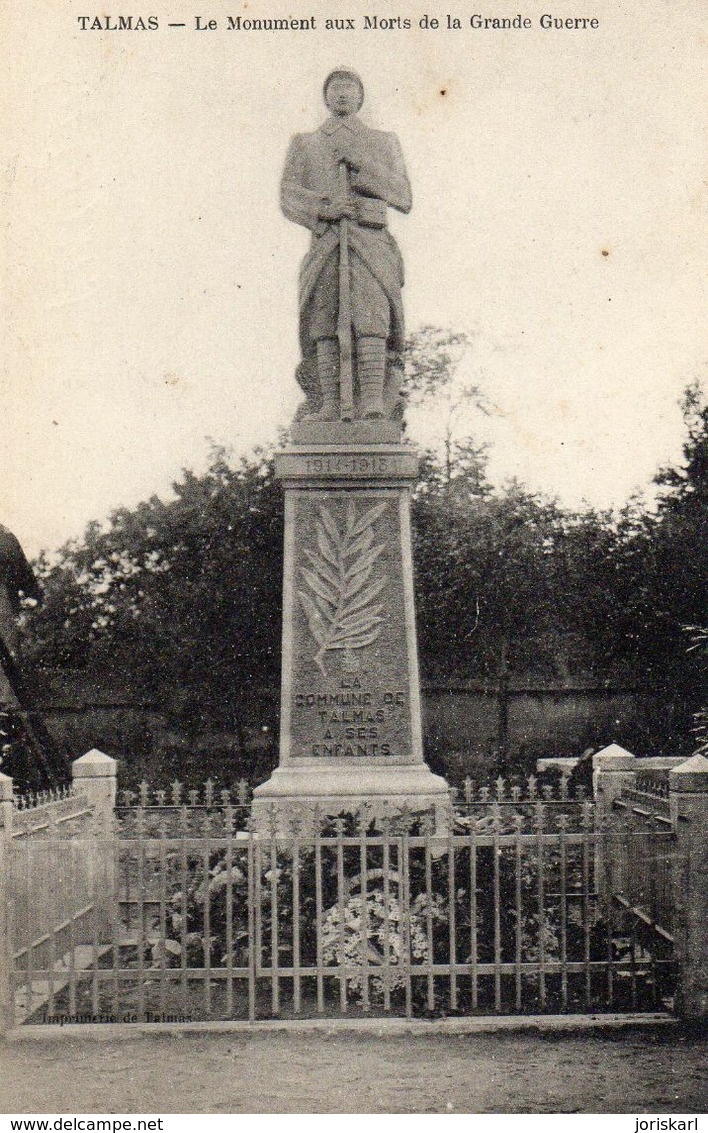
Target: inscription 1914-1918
x=296, y=466
x=350, y=465
x=351, y=722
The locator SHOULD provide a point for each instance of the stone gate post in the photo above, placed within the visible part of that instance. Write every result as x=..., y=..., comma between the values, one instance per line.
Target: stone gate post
x=688, y=794
x=613, y=770
x=94, y=775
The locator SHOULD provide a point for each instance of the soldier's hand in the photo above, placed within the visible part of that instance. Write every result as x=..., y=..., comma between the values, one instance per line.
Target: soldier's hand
x=336, y=209
x=348, y=150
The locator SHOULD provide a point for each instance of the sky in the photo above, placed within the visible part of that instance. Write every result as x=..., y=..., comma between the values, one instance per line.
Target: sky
x=150, y=280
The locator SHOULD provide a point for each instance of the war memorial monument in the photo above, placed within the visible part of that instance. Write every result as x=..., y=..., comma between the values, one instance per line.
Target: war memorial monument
x=350, y=731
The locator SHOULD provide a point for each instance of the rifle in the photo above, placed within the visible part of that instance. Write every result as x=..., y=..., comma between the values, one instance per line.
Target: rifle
x=344, y=318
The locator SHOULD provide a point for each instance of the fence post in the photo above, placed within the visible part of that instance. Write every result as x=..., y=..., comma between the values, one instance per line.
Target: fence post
x=94, y=774
x=7, y=806
x=688, y=795
x=613, y=770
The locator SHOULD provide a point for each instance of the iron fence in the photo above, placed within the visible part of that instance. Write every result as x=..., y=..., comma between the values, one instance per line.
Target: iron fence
x=189, y=915
x=640, y=868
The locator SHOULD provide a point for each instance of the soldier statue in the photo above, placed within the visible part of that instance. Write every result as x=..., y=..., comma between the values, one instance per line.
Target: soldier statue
x=339, y=182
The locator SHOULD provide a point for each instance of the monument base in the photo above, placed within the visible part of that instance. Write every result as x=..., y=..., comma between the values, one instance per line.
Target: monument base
x=349, y=433
x=384, y=791
x=350, y=721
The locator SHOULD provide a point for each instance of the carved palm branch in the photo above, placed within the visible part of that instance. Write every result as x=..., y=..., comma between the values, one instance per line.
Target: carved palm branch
x=340, y=599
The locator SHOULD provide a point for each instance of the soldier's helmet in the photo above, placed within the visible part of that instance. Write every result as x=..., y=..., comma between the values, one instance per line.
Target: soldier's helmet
x=344, y=72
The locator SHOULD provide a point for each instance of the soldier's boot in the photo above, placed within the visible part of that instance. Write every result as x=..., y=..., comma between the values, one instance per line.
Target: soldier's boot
x=371, y=356
x=328, y=376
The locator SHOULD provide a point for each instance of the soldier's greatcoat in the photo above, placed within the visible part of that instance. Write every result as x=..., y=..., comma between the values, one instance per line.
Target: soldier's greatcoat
x=311, y=178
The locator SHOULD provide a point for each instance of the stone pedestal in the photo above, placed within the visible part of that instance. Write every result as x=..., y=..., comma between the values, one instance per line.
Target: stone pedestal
x=350, y=699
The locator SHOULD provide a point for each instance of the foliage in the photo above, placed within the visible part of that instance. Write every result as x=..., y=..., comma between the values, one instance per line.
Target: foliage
x=699, y=642
x=182, y=598
x=432, y=356
x=492, y=558
x=678, y=537
x=380, y=922
x=434, y=380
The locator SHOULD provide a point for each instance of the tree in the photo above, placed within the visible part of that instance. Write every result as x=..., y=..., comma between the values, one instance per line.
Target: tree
x=432, y=359
x=647, y=581
x=679, y=555
x=680, y=531
x=685, y=489
x=184, y=595
x=699, y=644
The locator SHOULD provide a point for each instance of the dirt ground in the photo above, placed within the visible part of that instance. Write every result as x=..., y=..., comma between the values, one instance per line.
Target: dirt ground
x=636, y=1071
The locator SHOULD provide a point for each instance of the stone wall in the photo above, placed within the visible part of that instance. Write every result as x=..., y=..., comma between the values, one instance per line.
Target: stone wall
x=461, y=725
